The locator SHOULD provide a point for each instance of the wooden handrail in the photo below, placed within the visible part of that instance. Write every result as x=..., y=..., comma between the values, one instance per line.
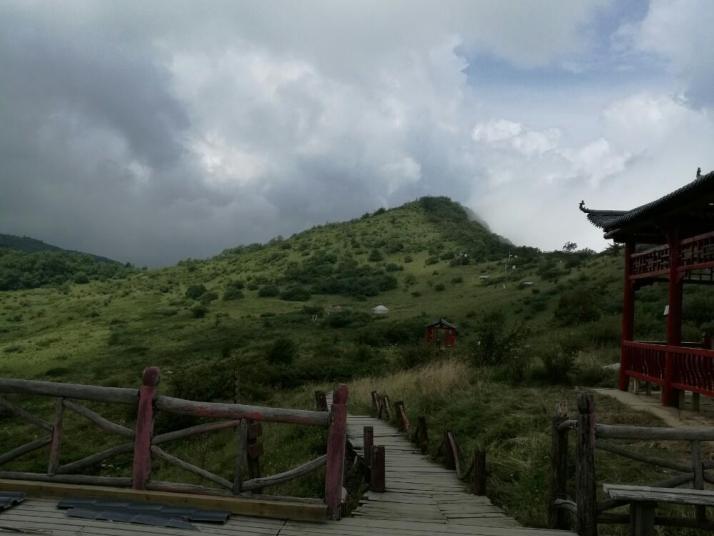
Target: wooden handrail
x=685, y=433
x=118, y=395
x=241, y=411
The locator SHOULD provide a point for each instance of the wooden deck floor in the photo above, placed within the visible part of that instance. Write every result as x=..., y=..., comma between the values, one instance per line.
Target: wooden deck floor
x=422, y=499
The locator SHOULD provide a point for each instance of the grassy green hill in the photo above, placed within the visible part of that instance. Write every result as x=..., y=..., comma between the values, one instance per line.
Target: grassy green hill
x=271, y=322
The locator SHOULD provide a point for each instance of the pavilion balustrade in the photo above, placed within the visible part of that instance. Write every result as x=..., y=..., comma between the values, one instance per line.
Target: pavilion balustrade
x=672, y=367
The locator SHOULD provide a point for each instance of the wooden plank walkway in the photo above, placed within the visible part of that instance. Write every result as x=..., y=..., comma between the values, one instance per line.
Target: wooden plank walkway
x=422, y=499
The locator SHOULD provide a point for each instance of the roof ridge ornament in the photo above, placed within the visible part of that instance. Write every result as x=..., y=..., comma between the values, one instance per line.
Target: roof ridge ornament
x=699, y=172
x=583, y=208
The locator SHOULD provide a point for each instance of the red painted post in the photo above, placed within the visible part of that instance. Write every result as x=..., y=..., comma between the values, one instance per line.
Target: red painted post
x=628, y=317
x=674, y=318
x=377, y=470
x=141, y=471
x=367, y=444
x=337, y=435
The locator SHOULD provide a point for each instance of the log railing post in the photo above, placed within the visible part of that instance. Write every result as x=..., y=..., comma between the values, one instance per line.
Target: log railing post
x=402, y=419
x=387, y=408
x=421, y=435
x=320, y=401
x=56, y=443
x=367, y=444
x=241, y=455
x=141, y=471
x=337, y=436
x=585, y=494
x=698, y=469
x=254, y=450
x=449, y=460
x=557, y=517
x=478, y=476
x=375, y=403
x=377, y=469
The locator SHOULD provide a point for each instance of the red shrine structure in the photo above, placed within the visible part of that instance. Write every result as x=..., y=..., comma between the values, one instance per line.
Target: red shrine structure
x=442, y=333
x=670, y=239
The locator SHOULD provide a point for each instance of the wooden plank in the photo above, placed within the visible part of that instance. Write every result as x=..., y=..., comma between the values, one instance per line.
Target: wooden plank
x=300, y=511
x=186, y=466
x=56, y=443
x=290, y=474
x=684, y=433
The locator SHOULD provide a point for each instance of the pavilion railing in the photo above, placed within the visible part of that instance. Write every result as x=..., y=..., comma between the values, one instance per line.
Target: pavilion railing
x=145, y=445
x=672, y=367
x=696, y=253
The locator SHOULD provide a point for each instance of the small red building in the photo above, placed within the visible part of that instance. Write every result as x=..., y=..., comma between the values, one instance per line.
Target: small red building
x=672, y=240
x=442, y=333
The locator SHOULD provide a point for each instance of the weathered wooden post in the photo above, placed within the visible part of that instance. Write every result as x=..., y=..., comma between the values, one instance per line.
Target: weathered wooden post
x=557, y=517
x=698, y=469
x=320, y=401
x=402, y=419
x=478, y=476
x=586, y=498
x=337, y=436
x=377, y=470
x=56, y=443
x=421, y=436
x=241, y=455
x=141, y=470
x=375, y=404
x=367, y=444
x=387, y=408
x=254, y=450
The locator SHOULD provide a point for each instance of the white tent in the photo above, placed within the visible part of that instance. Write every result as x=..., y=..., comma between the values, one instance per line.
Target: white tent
x=380, y=310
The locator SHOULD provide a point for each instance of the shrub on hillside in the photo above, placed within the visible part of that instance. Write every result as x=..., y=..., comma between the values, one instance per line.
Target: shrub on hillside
x=580, y=304
x=195, y=291
x=208, y=297
x=283, y=351
x=375, y=256
x=495, y=339
x=295, y=293
x=232, y=293
x=268, y=291
x=199, y=310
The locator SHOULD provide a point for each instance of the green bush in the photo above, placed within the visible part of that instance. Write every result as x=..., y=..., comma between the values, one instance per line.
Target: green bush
x=375, y=256
x=580, y=304
x=439, y=287
x=208, y=297
x=268, y=291
x=495, y=340
x=199, y=310
x=295, y=293
x=283, y=351
x=232, y=293
x=195, y=291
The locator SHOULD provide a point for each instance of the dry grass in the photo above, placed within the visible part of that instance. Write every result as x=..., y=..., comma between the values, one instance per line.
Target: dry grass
x=432, y=384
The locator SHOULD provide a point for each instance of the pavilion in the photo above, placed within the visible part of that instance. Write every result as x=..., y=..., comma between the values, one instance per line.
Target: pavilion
x=670, y=239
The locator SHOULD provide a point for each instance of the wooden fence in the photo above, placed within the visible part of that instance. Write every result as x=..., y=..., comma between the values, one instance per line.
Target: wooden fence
x=583, y=504
x=453, y=456
x=147, y=446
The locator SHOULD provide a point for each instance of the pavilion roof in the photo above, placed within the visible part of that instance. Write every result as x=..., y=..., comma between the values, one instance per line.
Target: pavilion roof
x=691, y=206
x=441, y=323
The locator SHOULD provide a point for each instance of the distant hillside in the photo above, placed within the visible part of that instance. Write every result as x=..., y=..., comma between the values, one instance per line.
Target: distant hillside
x=32, y=245
x=27, y=263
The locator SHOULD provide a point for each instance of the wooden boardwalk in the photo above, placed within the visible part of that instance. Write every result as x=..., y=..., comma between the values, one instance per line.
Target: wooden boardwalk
x=422, y=499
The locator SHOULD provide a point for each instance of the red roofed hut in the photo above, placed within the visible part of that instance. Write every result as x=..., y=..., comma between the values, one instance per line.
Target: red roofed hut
x=670, y=239
x=442, y=333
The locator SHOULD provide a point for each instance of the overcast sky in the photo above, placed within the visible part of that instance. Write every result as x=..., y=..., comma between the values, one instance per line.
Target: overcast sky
x=154, y=131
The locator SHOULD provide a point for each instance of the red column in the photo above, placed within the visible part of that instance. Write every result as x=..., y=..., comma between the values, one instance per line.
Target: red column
x=628, y=317
x=674, y=317
x=141, y=471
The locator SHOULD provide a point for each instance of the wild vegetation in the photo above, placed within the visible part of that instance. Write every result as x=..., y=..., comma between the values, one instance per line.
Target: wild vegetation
x=266, y=323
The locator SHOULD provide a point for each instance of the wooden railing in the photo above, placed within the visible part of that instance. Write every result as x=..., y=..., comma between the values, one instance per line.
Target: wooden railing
x=147, y=446
x=696, y=253
x=474, y=472
x=583, y=503
x=672, y=367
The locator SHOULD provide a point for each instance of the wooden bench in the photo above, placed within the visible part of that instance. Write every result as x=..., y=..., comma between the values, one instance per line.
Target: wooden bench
x=644, y=499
